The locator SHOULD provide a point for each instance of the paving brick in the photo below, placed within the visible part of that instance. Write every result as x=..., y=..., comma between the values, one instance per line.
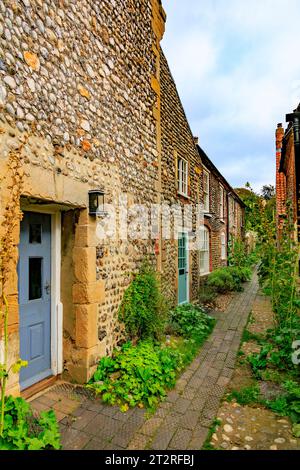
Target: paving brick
x=172, y=396
x=209, y=413
x=180, y=439
x=72, y=439
x=223, y=381
x=181, y=405
x=150, y=426
x=212, y=402
x=84, y=419
x=139, y=442
x=197, y=404
x=189, y=393
x=93, y=405
x=189, y=420
x=162, y=439
x=204, y=421
x=103, y=426
x=121, y=439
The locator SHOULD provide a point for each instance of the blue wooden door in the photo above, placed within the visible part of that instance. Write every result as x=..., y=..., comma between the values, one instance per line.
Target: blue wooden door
x=34, y=297
x=182, y=269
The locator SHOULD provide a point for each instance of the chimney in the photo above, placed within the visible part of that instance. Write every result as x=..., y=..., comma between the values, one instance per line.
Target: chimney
x=280, y=178
x=196, y=140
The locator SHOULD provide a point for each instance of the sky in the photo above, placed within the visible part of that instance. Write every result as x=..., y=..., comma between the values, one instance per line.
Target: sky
x=236, y=65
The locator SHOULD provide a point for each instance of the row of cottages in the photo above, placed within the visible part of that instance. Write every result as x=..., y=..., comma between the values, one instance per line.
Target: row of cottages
x=288, y=171
x=94, y=143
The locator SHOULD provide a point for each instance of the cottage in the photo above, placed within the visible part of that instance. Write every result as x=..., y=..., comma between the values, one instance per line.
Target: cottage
x=97, y=155
x=223, y=217
x=288, y=170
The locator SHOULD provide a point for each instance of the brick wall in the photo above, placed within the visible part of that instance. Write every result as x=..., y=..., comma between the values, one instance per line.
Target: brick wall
x=177, y=141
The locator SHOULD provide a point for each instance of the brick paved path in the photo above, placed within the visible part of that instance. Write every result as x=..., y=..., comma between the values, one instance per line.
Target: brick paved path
x=183, y=420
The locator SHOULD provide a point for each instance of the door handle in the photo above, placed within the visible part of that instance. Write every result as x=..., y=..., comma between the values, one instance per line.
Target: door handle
x=47, y=287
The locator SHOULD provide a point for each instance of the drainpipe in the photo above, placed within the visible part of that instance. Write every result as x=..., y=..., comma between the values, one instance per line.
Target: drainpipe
x=227, y=217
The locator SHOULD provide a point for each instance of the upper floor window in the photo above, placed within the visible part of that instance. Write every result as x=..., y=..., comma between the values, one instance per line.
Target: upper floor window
x=221, y=202
x=206, y=190
x=182, y=176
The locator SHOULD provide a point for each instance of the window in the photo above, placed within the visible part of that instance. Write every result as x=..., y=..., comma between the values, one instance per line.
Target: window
x=35, y=278
x=204, y=251
x=182, y=177
x=221, y=202
x=206, y=190
x=223, y=246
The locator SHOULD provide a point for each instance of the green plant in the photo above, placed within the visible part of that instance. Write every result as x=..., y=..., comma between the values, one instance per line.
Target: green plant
x=207, y=295
x=191, y=321
x=143, y=309
x=23, y=431
x=287, y=404
x=240, y=273
x=11, y=218
x=245, y=396
x=259, y=361
x=250, y=336
x=137, y=375
x=207, y=444
x=223, y=281
x=237, y=253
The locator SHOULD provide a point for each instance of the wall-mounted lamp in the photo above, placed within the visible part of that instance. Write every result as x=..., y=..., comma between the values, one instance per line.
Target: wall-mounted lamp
x=96, y=203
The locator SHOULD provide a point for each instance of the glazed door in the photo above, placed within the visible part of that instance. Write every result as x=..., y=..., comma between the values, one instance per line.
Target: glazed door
x=182, y=269
x=34, y=297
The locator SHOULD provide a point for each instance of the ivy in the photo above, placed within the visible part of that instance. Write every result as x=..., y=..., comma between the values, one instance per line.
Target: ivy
x=143, y=309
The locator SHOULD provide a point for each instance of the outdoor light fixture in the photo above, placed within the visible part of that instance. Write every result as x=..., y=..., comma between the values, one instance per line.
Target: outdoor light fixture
x=96, y=202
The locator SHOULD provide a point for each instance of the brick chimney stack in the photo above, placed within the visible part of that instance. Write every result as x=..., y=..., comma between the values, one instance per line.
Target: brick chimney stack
x=280, y=177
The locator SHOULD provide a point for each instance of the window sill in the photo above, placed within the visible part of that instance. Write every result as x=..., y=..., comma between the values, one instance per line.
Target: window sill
x=208, y=215
x=222, y=221
x=205, y=274
x=183, y=195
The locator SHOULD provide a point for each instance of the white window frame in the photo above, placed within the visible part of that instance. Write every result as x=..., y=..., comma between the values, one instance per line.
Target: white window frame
x=222, y=211
x=223, y=246
x=206, y=191
x=182, y=176
x=204, y=252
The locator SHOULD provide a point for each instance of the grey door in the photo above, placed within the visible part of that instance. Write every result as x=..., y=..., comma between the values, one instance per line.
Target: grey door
x=34, y=297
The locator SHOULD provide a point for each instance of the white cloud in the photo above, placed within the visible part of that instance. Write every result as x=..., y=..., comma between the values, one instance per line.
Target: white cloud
x=237, y=70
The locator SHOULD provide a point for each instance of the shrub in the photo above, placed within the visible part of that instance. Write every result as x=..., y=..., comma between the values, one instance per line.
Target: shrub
x=237, y=253
x=240, y=274
x=191, y=321
x=207, y=296
x=288, y=404
x=222, y=281
x=143, y=309
x=137, y=375
x=246, y=396
x=23, y=431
